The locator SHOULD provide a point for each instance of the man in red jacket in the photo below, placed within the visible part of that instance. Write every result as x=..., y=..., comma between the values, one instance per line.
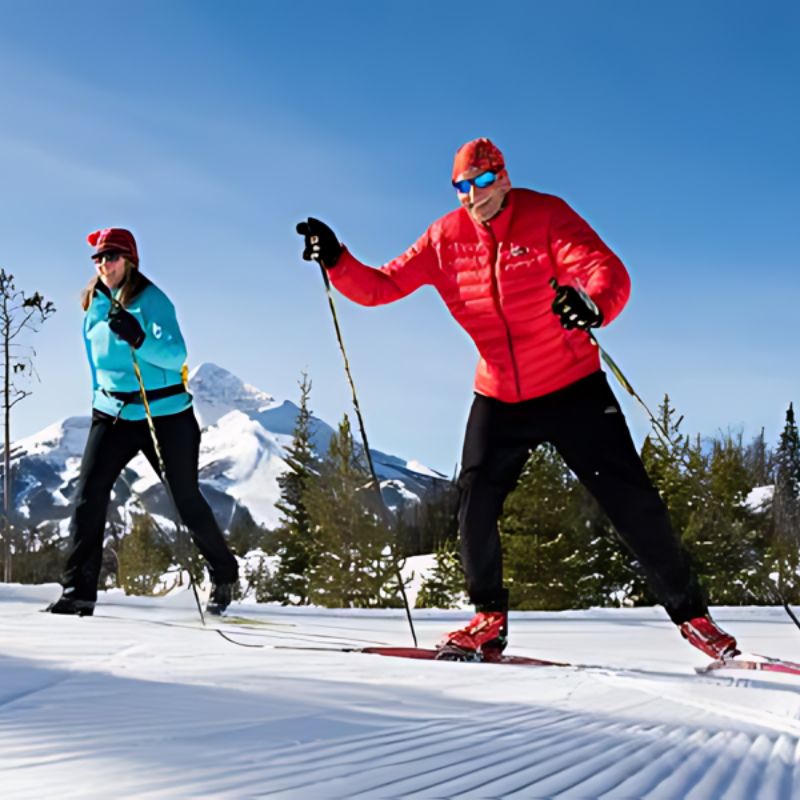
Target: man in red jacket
x=526, y=277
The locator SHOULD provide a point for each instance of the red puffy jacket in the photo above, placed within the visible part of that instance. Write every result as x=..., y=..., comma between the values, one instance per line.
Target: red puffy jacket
x=495, y=281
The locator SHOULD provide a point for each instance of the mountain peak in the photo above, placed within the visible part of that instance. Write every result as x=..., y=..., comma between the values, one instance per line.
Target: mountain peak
x=243, y=451
x=217, y=392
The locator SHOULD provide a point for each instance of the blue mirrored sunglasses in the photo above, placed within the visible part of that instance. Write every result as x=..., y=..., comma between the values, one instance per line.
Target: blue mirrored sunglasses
x=479, y=181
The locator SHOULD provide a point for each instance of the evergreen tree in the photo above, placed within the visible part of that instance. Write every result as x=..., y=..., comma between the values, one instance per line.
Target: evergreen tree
x=245, y=534
x=408, y=534
x=608, y=572
x=724, y=535
x=294, y=539
x=675, y=466
x=143, y=557
x=444, y=587
x=705, y=492
x=352, y=563
x=540, y=532
x=560, y=549
x=758, y=461
x=785, y=548
x=258, y=578
x=760, y=464
x=38, y=554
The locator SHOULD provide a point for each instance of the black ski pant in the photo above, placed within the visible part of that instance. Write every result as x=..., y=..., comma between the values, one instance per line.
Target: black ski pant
x=584, y=423
x=112, y=443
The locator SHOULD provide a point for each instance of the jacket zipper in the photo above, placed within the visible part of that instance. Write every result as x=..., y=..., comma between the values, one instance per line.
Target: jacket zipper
x=499, y=306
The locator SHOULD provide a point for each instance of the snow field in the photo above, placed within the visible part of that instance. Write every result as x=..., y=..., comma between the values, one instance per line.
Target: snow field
x=142, y=703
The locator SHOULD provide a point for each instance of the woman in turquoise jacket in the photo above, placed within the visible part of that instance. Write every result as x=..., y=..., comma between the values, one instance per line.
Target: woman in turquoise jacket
x=130, y=322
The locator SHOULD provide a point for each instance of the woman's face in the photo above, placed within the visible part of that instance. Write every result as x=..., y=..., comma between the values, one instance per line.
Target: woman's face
x=110, y=268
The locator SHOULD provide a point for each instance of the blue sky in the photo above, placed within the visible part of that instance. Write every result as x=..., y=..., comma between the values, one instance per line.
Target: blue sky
x=211, y=128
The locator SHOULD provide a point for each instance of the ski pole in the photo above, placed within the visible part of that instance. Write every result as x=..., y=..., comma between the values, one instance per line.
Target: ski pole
x=387, y=520
x=625, y=383
x=161, y=465
x=163, y=470
x=612, y=365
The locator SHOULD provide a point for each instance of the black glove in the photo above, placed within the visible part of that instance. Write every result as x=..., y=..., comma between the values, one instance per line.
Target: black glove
x=126, y=326
x=575, y=308
x=321, y=244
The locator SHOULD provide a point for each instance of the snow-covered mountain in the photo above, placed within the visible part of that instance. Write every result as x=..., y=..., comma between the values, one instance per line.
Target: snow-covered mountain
x=246, y=432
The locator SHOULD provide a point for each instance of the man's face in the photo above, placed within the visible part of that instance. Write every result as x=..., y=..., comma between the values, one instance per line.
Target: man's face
x=482, y=201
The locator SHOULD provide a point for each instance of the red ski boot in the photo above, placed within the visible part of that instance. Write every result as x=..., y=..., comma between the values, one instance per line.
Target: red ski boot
x=483, y=639
x=703, y=633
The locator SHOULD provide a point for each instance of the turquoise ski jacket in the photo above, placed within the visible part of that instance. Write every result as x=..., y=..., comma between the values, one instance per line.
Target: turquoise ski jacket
x=160, y=357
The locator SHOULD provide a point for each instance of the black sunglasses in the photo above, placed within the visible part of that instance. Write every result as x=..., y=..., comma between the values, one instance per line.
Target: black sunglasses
x=108, y=256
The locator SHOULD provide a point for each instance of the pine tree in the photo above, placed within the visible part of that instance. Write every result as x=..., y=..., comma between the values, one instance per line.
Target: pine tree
x=294, y=539
x=560, y=548
x=245, y=534
x=723, y=534
x=608, y=573
x=444, y=587
x=259, y=581
x=408, y=534
x=758, y=460
x=786, y=511
x=38, y=554
x=704, y=490
x=540, y=531
x=352, y=563
x=676, y=467
x=143, y=557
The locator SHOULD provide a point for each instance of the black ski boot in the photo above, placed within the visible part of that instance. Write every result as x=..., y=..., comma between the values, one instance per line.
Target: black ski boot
x=221, y=596
x=69, y=604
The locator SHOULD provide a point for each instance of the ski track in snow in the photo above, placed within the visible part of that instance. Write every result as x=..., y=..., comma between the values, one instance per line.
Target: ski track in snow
x=97, y=708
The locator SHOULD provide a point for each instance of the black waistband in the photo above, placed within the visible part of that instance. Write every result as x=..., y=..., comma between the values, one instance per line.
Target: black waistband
x=152, y=394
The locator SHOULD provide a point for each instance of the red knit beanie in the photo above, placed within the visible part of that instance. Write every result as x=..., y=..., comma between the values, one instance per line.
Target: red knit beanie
x=114, y=239
x=479, y=154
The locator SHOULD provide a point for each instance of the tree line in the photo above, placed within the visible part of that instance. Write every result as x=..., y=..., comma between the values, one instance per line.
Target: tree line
x=562, y=551
x=333, y=548
x=735, y=505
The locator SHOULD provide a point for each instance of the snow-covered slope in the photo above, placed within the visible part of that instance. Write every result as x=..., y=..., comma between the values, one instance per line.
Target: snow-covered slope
x=243, y=460
x=242, y=455
x=132, y=708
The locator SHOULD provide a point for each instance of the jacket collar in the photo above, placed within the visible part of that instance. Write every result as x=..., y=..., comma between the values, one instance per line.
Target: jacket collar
x=496, y=229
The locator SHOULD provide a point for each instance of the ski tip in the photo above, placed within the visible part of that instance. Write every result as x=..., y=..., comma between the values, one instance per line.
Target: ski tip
x=752, y=661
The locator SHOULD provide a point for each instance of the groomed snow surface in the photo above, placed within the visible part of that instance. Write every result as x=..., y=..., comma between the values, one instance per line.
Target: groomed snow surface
x=131, y=707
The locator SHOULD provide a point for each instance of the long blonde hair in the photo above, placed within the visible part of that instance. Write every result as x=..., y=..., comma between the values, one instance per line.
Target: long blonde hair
x=133, y=283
